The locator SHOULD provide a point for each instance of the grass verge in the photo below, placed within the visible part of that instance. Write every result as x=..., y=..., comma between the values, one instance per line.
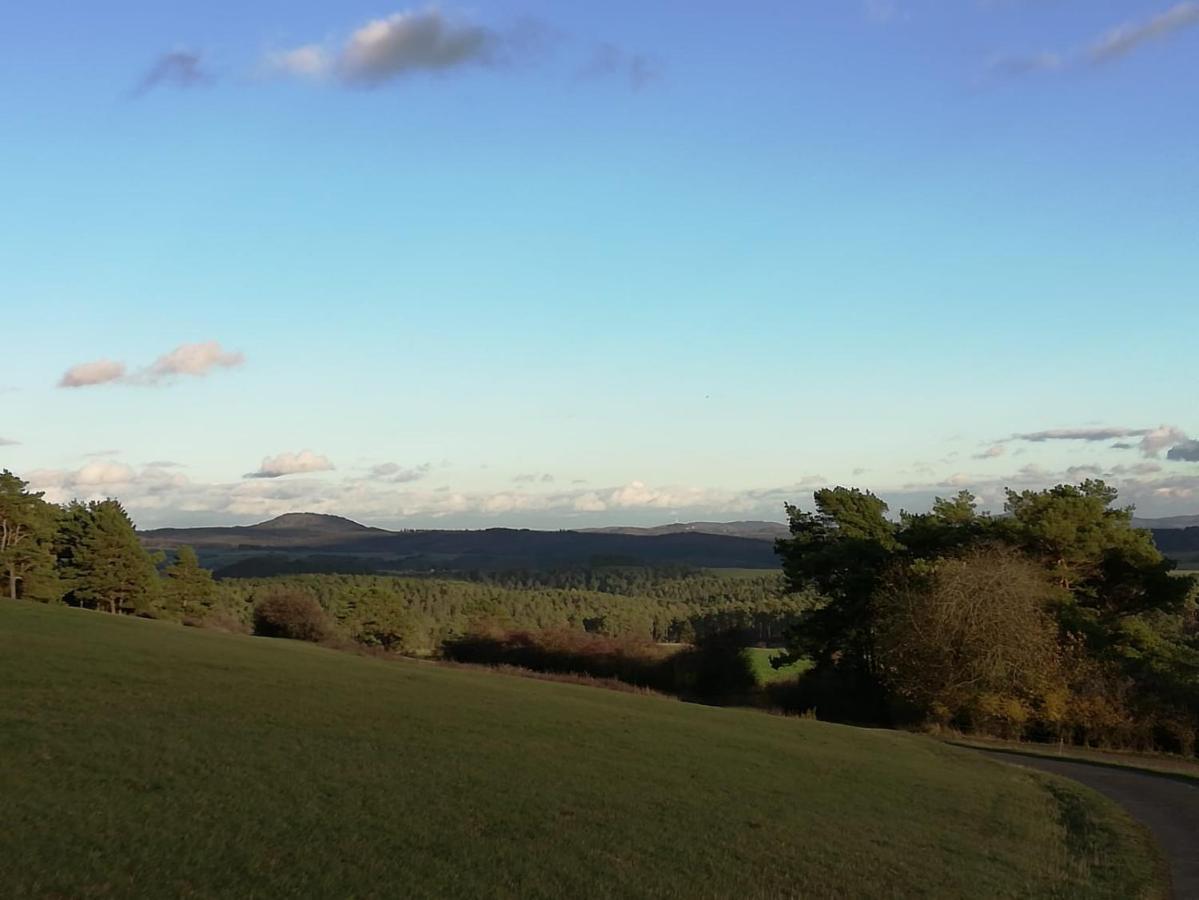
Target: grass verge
x=1155, y=763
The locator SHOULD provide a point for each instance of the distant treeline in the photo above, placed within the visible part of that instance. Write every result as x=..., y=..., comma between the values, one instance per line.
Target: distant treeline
x=420, y=613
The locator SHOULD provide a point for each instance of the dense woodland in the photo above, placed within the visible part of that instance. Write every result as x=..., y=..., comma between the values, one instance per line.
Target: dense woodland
x=1057, y=620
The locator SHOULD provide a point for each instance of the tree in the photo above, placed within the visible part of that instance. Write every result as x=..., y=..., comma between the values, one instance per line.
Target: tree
x=968, y=632
x=27, y=525
x=840, y=551
x=109, y=569
x=189, y=589
x=1124, y=620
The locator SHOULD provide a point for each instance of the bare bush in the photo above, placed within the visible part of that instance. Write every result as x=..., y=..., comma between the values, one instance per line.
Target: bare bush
x=289, y=613
x=970, y=640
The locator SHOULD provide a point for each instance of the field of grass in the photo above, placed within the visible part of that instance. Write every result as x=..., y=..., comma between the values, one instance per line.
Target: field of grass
x=141, y=758
x=760, y=657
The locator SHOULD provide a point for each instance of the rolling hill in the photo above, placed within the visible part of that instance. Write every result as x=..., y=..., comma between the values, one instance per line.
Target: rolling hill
x=146, y=759
x=309, y=533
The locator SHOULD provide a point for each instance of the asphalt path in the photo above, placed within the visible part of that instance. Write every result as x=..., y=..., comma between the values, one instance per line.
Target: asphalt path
x=1168, y=806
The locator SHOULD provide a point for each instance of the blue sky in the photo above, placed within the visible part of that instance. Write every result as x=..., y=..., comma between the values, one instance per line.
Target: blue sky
x=557, y=264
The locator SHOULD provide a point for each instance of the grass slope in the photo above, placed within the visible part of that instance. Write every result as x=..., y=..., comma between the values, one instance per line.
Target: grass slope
x=143, y=758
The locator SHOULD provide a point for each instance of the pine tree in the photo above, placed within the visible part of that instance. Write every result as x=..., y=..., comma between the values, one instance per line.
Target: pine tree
x=189, y=589
x=27, y=524
x=108, y=567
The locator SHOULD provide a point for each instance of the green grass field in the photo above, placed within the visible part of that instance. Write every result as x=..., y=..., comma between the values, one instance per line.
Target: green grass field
x=141, y=758
x=760, y=657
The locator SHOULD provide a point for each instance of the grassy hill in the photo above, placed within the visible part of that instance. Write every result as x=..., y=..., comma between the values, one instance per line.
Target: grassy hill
x=144, y=758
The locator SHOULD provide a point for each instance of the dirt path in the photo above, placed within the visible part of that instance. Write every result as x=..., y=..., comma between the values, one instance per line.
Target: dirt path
x=1168, y=806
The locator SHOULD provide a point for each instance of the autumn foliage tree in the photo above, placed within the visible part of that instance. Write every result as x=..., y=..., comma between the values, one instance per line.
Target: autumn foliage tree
x=971, y=638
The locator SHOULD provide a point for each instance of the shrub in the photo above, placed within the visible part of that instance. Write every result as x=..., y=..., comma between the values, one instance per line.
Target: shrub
x=716, y=670
x=566, y=652
x=291, y=614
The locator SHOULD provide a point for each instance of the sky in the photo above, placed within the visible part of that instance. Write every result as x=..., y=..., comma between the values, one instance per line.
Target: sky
x=553, y=265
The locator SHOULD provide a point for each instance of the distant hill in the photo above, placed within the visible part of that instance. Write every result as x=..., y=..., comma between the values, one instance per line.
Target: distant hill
x=312, y=523
x=335, y=538
x=756, y=530
x=1167, y=523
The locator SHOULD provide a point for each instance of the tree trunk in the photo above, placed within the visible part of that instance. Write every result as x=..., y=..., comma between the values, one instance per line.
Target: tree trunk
x=12, y=583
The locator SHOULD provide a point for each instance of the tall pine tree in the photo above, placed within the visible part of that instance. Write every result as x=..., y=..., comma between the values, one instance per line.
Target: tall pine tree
x=189, y=590
x=27, y=526
x=108, y=569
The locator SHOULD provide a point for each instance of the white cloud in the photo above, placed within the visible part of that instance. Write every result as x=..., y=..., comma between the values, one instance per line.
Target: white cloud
x=291, y=464
x=1026, y=64
x=196, y=360
x=1127, y=37
x=1078, y=434
x=409, y=41
x=992, y=452
x=309, y=61
x=100, y=371
x=589, y=502
x=8, y=442
x=394, y=473
x=1113, y=44
x=1156, y=440
x=193, y=359
x=425, y=40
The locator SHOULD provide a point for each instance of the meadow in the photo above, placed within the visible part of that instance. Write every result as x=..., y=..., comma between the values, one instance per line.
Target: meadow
x=144, y=757
x=760, y=661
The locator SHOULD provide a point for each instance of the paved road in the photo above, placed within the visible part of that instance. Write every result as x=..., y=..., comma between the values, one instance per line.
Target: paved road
x=1168, y=806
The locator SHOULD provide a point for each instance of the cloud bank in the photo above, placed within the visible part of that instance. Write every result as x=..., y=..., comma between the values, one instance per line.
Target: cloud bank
x=1151, y=444
x=158, y=495
x=291, y=464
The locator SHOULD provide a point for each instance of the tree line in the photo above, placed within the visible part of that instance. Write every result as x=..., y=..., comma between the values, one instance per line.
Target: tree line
x=88, y=555
x=1056, y=620
x=421, y=613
